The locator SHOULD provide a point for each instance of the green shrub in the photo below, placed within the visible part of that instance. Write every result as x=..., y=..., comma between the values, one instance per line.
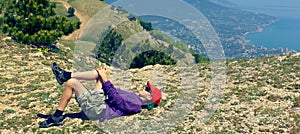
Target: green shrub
x=71, y=11
x=112, y=42
x=34, y=22
x=147, y=26
x=108, y=47
x=151, y=57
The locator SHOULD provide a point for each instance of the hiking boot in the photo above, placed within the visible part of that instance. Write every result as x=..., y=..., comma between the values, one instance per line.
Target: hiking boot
x=60, y=74
x=52, y=121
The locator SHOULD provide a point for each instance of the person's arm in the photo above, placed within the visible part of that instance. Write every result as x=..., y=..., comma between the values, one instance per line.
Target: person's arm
x=114, y=97
x=118, y=101
x=109, y=89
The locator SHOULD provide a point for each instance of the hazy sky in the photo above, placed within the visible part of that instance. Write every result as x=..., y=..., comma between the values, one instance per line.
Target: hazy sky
x=279, y=8
x=166, y=8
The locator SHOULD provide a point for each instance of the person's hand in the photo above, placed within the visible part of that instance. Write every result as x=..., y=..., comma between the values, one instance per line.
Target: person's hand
x=103, y=72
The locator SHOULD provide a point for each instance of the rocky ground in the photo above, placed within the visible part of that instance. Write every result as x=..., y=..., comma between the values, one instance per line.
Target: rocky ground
x=260, y=95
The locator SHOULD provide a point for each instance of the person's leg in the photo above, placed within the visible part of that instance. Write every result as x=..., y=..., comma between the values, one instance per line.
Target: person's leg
x=72, y=85
x=92, y=102
x=98, y=84
x=62, y=75
x=88, y=75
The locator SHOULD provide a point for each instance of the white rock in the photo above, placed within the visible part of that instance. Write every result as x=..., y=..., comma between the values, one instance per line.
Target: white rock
x=53, y=95
x=6, y=39
x=38, y=54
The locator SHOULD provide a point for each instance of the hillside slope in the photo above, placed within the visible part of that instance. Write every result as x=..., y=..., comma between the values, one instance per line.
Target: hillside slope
x=261, y=95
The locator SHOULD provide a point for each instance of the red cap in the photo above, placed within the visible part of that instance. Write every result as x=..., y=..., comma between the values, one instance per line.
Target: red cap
x=156, y=94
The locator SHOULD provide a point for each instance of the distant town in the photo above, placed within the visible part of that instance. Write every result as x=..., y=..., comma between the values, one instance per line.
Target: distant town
x=231, y=25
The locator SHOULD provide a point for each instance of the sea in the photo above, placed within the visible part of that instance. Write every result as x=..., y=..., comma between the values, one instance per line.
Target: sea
x=285, y=33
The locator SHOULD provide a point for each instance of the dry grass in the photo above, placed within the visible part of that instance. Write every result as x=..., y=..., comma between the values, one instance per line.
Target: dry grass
x=87, y=9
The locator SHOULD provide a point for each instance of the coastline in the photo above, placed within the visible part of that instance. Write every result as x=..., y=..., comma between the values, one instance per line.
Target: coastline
x=284, y=32
x=247, y=42
x=259, y=29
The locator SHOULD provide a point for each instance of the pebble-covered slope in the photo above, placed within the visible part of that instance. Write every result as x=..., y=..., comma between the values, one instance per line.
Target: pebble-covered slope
x=261, y=95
